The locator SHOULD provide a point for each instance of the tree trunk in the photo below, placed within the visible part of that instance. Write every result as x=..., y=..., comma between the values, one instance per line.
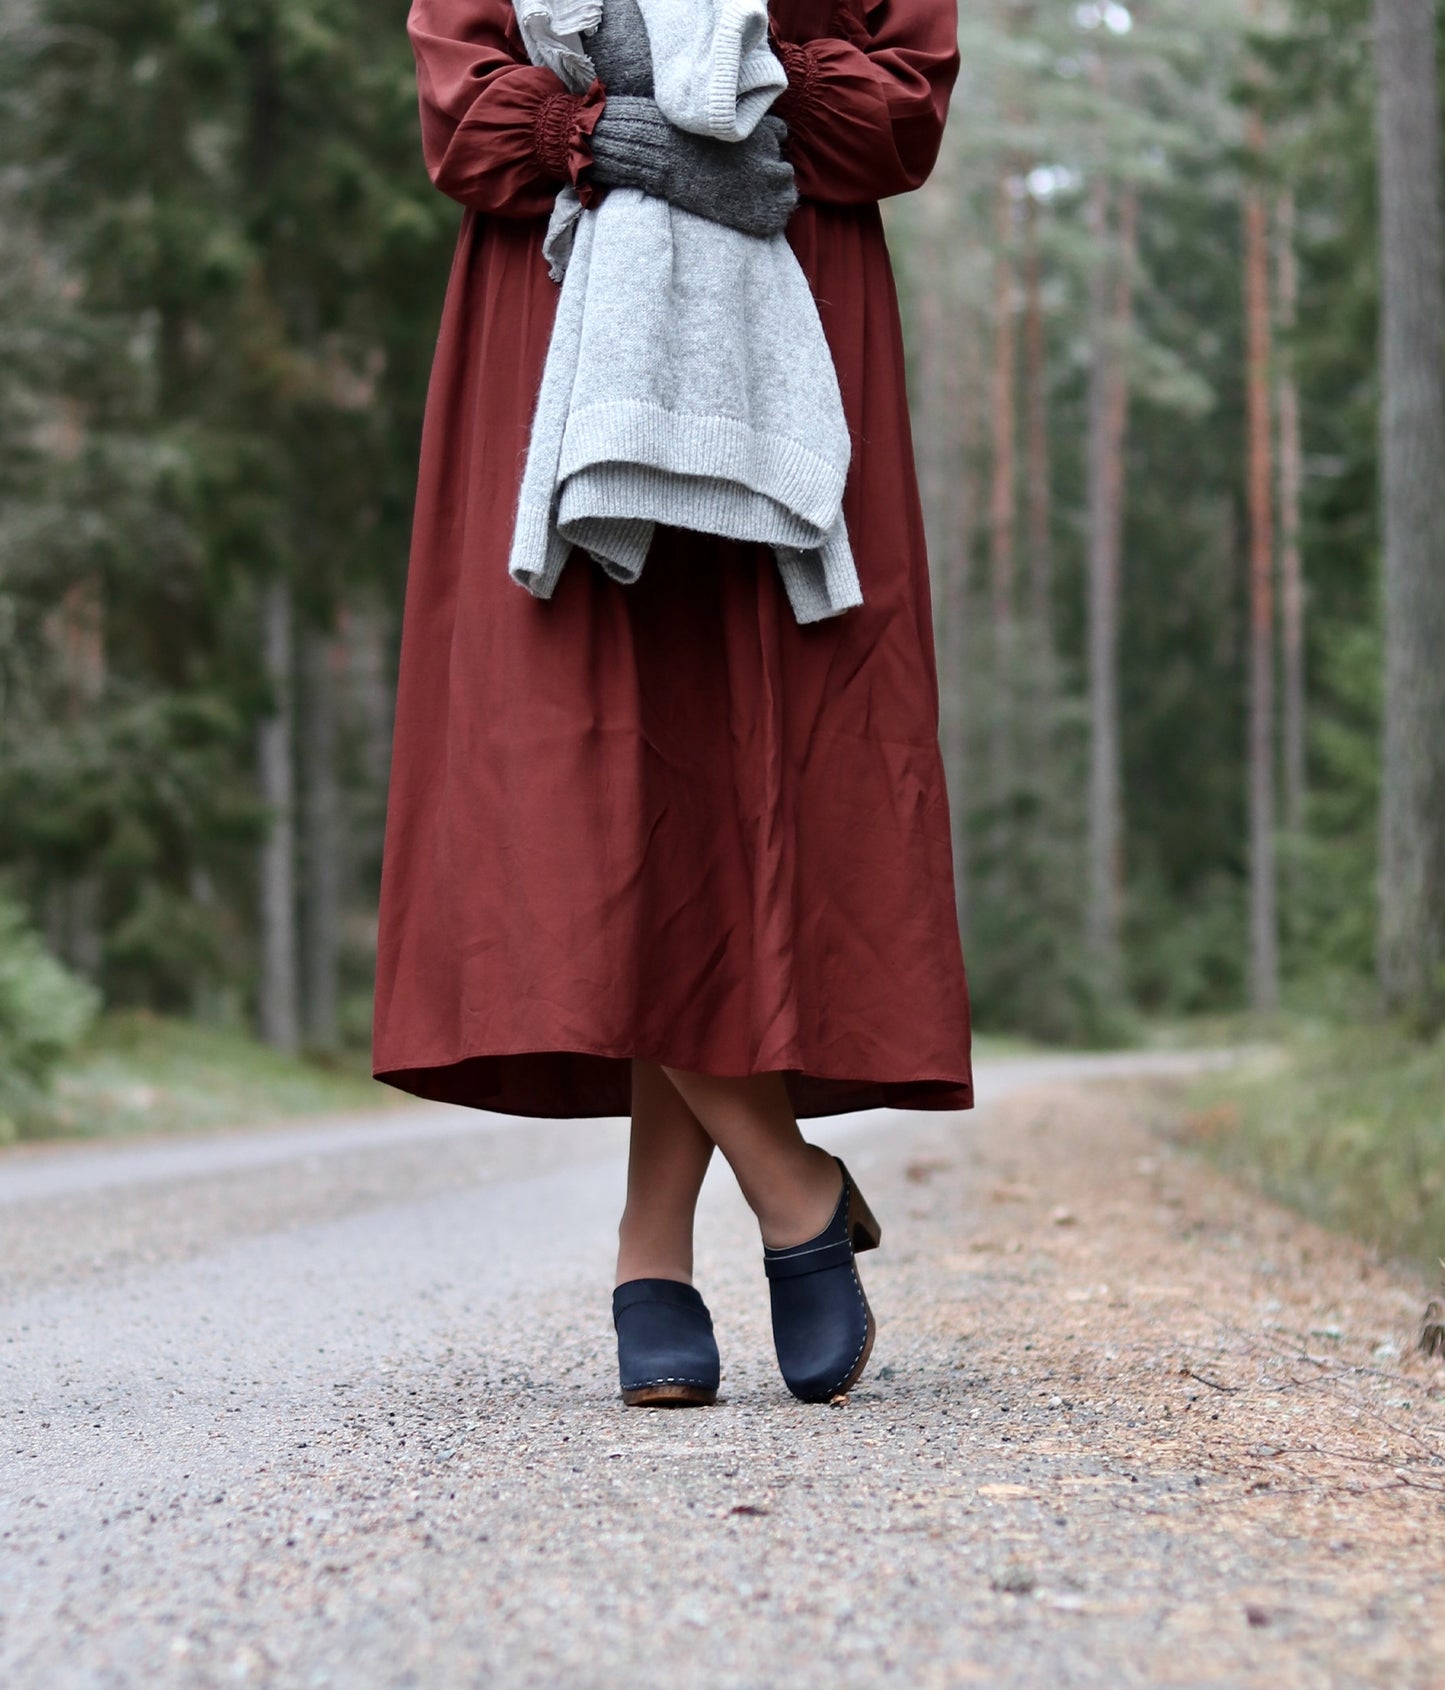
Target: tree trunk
x=1002, y=497
x=1102, y=918
x=1263, y=914
x=1291, y=481
x=277, y=1011
x=1411, y=946
x=1120, y=331
x=370, y=689
x=961, y=390
x=926, y=388
x=278, y=1017
x=1040, y=511
x=933, y=429
x=321, y=837
x=80, y=629
x=1004, y=691
x=965, y=386
x=944, y=450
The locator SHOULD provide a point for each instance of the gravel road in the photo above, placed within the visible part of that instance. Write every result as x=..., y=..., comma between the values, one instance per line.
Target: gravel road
x=335, y=1405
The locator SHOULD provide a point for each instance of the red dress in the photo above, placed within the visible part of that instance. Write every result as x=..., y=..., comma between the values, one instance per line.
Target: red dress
x=664, y=820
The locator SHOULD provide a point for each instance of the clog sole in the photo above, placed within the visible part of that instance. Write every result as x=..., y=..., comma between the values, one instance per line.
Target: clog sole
x=667, y=1395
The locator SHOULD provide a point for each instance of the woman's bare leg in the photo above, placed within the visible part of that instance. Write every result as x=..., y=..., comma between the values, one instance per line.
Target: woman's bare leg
x=666, y=1160
x=790, y=1185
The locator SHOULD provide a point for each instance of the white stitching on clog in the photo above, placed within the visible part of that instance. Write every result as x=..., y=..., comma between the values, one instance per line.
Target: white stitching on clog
x=858, y=1286
x=809, y=1249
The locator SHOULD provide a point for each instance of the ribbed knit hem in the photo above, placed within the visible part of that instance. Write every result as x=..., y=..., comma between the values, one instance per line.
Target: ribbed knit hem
x=618, y=543
x=797, y=478
x=611, y=511
x=740, y=90
x=595, y=500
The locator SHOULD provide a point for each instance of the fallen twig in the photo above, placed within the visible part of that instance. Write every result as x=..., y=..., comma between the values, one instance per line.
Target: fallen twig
x=1213, y=1384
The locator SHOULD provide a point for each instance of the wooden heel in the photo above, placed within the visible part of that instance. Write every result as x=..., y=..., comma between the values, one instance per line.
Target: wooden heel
x=863, y=1227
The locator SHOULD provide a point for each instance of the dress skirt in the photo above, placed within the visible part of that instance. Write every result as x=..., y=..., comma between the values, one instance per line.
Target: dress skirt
x=661, y=820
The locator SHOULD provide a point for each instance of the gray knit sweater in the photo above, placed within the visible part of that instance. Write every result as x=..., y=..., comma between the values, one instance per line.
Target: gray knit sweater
x=688, y=381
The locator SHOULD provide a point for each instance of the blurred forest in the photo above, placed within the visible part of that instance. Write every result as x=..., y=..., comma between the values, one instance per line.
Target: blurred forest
x=1144, y=300
x=1151, y=380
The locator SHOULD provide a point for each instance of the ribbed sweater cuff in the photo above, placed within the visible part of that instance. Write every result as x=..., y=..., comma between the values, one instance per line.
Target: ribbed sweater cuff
x=596, y=503
x=737, y=88
x=538, y=551
x=823, y=582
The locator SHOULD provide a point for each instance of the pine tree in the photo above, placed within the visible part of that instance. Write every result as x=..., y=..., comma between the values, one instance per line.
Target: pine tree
x=1412, y=818
x=248, y=251
x=1263, y=897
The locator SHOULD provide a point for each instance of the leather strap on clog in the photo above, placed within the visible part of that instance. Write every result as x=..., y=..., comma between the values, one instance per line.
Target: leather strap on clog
x=811, y=1258
x=670, y=1291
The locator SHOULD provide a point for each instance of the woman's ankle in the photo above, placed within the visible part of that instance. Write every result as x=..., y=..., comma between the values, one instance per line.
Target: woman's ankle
x=797, y=1205
x=646, y=1253
x=645, y=1267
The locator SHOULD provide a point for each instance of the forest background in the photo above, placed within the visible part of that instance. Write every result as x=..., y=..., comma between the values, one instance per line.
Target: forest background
x=1179, y=406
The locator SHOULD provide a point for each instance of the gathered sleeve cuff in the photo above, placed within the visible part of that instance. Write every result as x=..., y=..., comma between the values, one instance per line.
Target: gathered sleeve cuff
x=499, y=134
x=866, y=102
x=562, y=137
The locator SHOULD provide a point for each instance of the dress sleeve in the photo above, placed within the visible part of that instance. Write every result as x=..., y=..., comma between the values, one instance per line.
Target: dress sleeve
x=499, y=134
x=866, y=101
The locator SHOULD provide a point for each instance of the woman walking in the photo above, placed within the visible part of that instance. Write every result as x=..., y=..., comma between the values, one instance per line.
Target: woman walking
x=660, y=848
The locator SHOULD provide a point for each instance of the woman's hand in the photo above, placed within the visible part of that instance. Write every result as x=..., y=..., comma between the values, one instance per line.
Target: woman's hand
x=747, y=185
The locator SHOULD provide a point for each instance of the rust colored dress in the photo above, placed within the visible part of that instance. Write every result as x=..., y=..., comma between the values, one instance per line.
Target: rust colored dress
x=664, y=820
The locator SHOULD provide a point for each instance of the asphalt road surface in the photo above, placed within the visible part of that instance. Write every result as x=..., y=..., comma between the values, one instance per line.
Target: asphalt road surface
x=336, y=1405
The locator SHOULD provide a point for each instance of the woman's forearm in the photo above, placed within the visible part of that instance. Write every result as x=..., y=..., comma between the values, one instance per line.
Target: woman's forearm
x=865, y=105
x=498, y=134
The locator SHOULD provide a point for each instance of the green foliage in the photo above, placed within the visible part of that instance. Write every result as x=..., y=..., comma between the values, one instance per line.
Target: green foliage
x=44, y=1012
x=1332, y=868
x=1186, y=960
x=1029, y=971
x=218, y=294
x=138, y=1072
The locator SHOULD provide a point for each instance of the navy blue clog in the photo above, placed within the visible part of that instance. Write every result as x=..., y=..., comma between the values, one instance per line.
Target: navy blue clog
x=823, y=1328
x=666, y=1353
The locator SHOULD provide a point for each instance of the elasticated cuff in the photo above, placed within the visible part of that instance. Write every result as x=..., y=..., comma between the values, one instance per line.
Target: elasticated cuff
x=796, y=99
x=562, y=136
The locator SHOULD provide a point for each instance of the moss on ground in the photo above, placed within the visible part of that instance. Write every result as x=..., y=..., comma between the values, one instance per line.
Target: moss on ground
x=139, y=1073
x=1346, y=1123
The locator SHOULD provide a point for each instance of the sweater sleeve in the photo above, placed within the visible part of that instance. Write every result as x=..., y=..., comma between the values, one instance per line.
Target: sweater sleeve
x=499, y=134
x=866, y=102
